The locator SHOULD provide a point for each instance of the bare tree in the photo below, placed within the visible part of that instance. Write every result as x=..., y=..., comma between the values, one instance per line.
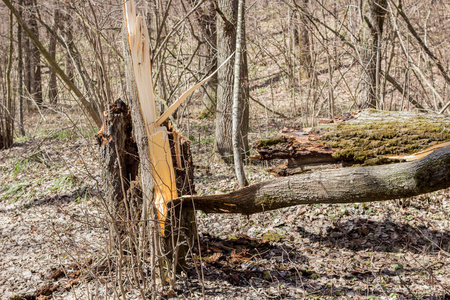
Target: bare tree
x=371, y=57
x=226, y=44
x=20, y=71
x=6, y=107
x=34, y=54
x=53, y=87
x=238, y=101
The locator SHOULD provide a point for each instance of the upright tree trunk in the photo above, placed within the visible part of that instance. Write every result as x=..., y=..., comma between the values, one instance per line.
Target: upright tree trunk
x=6, y=109
x=20, y=70
x=371, y=56
x=53, y=87
x=208, y=62
x=226, y=44
x=302, y=37
x=35, y=56
x=27, y=51
x=68, y=35
x=237, y=102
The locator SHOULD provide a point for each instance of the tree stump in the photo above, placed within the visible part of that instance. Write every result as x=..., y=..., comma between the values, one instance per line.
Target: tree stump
x=122, y=183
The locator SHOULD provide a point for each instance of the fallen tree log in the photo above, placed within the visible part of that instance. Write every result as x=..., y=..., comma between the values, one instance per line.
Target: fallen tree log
x=346, y=185
x=369, y=138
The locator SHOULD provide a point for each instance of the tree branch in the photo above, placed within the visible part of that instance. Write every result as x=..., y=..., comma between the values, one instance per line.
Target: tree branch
x=422, y=44
x=86, y=104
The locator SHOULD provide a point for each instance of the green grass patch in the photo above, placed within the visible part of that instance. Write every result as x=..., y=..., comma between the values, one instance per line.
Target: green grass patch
x=14, y=192
x=63, y=183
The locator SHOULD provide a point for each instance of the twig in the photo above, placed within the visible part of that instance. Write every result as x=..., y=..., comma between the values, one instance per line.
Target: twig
x=269, y=109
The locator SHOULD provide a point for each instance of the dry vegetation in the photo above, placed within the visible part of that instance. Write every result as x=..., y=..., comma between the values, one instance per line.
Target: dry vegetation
x=54, y=235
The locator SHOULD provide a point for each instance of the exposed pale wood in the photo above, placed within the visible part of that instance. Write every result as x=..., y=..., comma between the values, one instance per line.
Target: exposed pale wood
x=158, y=142
x=420, y=154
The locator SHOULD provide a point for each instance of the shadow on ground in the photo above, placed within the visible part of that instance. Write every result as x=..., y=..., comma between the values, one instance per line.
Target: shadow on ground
x=385, y=236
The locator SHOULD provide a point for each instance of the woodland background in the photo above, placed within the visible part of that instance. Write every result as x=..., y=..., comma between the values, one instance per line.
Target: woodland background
x=307, y=62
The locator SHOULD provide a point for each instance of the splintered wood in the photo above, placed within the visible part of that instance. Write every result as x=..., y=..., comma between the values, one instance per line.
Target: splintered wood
x=158, y=141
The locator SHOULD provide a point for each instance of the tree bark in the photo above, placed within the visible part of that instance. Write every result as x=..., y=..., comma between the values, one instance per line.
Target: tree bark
x=35, y=57
x=237, y=102
x=208, y=62
x=371, y=56
x=302, y=36
x=20, y=71
x=68, y=28
x=6, y=108
x=226, y=44
x=349, y=185
x=52, y=85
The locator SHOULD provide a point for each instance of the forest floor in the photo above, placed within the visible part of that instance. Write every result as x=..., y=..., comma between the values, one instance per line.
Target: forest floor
x=52, y=227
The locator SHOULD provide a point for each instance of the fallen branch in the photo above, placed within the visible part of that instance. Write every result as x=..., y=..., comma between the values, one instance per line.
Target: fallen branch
x=348, y=185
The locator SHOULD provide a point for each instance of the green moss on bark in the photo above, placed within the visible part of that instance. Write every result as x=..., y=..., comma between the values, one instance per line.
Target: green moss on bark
x=370, y=143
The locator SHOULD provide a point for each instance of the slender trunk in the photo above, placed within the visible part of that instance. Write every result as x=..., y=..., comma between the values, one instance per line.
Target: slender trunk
x=27, y=52
x=303, y=41
x=237, y=102
x=68, y=27
x=208, y=61
x=53, y=87
x=20, y=71
x=226, y=44
x=35, y=55
x=7, y=113
x=371, y=56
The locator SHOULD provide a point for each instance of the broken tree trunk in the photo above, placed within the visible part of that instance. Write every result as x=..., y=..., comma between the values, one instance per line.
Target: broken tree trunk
x=122, y=175
x=368, y=138
x=345, y=185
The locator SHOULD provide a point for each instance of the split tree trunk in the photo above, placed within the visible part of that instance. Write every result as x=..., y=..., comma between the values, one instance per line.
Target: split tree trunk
x=161, y=150
x=126, y=182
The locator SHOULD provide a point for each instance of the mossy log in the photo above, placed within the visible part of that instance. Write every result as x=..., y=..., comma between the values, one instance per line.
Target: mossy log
x=368, y=138
x=344, y=185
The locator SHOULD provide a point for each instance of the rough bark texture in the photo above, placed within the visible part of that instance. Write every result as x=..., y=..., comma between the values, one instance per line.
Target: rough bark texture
x=302, y=39
x=35, y=56
x=120, y=165
x=226, y=44
x=349, y=185
x=207, y=20
x=52, y=85
x=371, y=54
x=370, y=137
